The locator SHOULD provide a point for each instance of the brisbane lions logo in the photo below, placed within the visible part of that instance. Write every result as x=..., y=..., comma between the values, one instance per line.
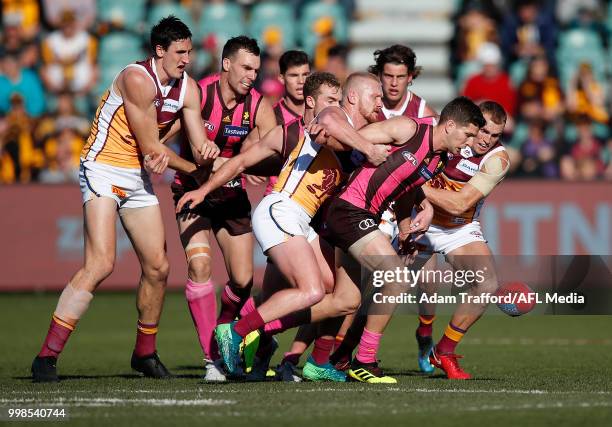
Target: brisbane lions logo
x=328, y=183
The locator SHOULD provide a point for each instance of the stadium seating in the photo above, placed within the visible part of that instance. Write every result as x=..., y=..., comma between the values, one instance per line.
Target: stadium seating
x=120, y=48
x=273, y=15
x=117, y=49
x=577, y=46
x=313, y=13
x=159, y=11
x=226, y=20
x=130, y=15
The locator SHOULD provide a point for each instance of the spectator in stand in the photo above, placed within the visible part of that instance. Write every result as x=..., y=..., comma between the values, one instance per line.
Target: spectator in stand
x=64, y=116
x=337, y=62
x=20, y=160
x=492, y=83
x=585, y=96
x=324, y=28
x=69, y=57
x=84, y=11
x=529, y=32
x=62, y=153
x=474, y=28
x=584, y=161
x=539, y=155
x=14, y=42
x=28, y=13
x=15, y=79
x=539, y=95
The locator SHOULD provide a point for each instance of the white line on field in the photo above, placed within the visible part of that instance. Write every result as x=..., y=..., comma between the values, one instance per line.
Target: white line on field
x=102, y=401
x=539, y=406
x=312, y=390
x=537, y=341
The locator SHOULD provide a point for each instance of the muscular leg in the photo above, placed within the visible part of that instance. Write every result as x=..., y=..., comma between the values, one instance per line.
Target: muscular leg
x=297, y=262
x=199, y=291
x=145, y=229
x=99, y=214
x=343, y=299
x=471, y=257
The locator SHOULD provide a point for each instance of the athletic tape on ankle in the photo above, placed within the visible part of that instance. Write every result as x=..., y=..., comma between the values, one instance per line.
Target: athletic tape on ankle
x=196, y=250
x=72, y=304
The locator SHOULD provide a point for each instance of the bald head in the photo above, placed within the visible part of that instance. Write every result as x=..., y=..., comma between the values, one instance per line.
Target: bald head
x=359, y=80
x=362, y=94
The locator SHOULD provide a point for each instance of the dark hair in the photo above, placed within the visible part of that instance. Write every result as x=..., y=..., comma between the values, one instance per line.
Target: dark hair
x=292, y=58
x=396, y=54
x=463, y=112
x=168, y=30
x=233, y=45
x=339, y=50
x=313, y=83
x=495, y=110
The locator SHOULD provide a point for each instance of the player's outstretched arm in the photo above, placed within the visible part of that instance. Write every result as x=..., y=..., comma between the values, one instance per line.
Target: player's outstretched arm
x=396, y=130
x=480, y=185
x=138, y=95
x=269, y=145
x=204, y=150
x=337, y=127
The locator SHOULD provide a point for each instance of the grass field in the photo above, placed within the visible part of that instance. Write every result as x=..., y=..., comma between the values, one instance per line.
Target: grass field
x=535, y=370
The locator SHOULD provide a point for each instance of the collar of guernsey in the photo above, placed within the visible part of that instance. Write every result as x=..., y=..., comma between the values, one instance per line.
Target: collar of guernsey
x=311, y=174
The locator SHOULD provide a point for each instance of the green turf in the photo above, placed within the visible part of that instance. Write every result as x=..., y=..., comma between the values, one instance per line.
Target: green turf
x=535, y=370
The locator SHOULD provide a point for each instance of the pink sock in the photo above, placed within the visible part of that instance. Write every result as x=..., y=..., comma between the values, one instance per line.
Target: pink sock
x=248, y=307
x=322, y=349
x=297, y=318
x=232, y=300
x=368, y=346
x=248, y=324
x=203, y=308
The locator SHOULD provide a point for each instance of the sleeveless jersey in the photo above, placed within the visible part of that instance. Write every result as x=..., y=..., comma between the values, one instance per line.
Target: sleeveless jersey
x=111, y=140
x=408, y=166
x=413, y=107
x=227, y=127
x=457, y=172
x=271, y=166
x=311, y=174
x=284, y=114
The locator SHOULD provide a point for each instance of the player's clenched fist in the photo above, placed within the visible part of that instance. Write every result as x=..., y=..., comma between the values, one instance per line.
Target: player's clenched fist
x=156, y=163
x=207, y=152
x=378, y=153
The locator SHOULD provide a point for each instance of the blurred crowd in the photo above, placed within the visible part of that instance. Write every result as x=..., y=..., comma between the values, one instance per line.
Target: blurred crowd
x=547, y=62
